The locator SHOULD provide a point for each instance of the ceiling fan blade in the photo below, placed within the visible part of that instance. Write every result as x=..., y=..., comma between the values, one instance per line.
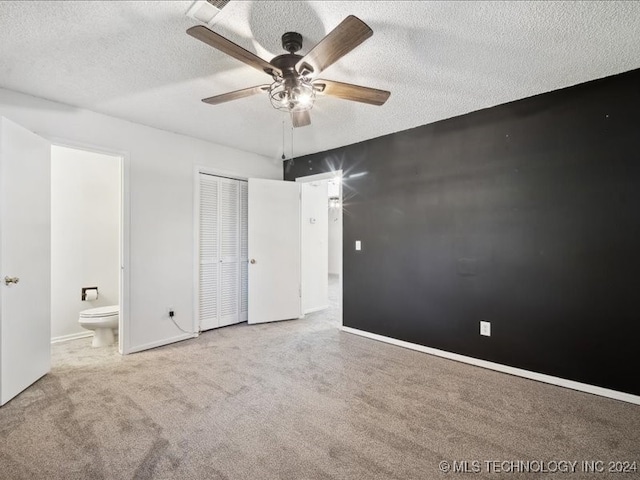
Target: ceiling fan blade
x=219, y=42
x=341, y=40
x=227, y=97
x=349, y=91
x=301, y=118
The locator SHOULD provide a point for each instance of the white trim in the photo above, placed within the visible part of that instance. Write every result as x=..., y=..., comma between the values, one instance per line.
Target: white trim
x=316, y=309
x=341, y=250
x=125, y=232
x=124, y=325
x=540, y=377
x=299, y=246
x=160, y=343
x=195, y=321
x=219, y=173
x=73, y=336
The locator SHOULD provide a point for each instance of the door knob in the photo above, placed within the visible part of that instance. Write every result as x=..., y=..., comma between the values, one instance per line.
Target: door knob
x=8, y=280
x=253, y=260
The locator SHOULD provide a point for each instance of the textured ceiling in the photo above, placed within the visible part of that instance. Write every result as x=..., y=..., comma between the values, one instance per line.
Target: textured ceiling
x=133, y=60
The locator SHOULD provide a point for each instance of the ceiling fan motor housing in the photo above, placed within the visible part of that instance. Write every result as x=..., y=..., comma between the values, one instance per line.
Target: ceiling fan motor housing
x=292, y=42
x=291, y=92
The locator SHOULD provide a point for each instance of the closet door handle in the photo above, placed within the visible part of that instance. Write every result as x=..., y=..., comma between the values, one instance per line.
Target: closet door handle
x=9, y=280
x=253, y=260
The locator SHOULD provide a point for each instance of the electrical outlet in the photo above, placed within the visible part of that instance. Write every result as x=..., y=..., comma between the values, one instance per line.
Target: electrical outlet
x=485, y=328
x=358, y=245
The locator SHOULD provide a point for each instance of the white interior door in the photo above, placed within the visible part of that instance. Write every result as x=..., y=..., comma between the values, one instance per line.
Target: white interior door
x=315, y=246
x=274, y=251
x=25, y=258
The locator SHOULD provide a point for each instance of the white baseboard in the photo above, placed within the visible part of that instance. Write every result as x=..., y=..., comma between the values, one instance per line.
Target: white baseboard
x=317, y=309
x=540, y=377
x=73, y=336
x=147, y=346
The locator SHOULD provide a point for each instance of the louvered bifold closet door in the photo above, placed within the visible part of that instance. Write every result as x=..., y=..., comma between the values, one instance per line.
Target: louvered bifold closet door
x=209, y=259
x=229, y=251
x=244, y=250
x=223, y=251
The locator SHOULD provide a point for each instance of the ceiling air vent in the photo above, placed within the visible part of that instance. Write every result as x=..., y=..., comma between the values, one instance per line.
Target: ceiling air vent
x=219, y=4
x=205, y=11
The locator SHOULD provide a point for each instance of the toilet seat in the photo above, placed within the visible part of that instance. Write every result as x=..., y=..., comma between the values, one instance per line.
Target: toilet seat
x=109, y=311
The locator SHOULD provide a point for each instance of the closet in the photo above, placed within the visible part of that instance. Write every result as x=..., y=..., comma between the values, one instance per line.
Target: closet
x=223, y=251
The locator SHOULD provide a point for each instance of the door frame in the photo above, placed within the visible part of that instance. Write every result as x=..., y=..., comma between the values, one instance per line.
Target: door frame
x=124, y=346
x=197, y=170
x=330, y=176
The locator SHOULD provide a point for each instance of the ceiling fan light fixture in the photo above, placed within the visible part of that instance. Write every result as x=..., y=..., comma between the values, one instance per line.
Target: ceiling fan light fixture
x=306, y=98
x=295, y=83
x=292, y=98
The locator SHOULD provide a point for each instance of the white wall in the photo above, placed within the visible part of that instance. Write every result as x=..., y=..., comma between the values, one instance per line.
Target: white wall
x=315, y=250
x=335, y=227
x=161, y=184
x=335, y=240
x=85, y=234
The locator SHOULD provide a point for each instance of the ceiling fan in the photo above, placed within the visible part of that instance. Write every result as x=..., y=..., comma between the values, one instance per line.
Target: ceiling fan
x=295, y=83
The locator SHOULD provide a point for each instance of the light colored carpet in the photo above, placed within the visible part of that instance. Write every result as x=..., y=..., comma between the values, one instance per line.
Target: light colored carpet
x=295, y=400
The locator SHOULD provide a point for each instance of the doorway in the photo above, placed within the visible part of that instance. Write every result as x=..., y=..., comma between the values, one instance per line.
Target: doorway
x=86, y=238
x=332, y=252
x=25, y=303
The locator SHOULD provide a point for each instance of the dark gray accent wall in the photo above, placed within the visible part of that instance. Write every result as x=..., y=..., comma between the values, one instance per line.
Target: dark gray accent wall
x=526, y=215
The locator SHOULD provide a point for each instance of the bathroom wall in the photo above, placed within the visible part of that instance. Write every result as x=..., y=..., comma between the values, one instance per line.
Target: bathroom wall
x=161, y=172
x=85, y=235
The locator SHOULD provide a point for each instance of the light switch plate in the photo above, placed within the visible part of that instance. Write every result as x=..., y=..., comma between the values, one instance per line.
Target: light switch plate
x=485, y=329
x=358, y=245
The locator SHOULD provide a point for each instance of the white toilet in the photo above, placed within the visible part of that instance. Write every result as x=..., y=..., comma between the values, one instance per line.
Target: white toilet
x=103, y=321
